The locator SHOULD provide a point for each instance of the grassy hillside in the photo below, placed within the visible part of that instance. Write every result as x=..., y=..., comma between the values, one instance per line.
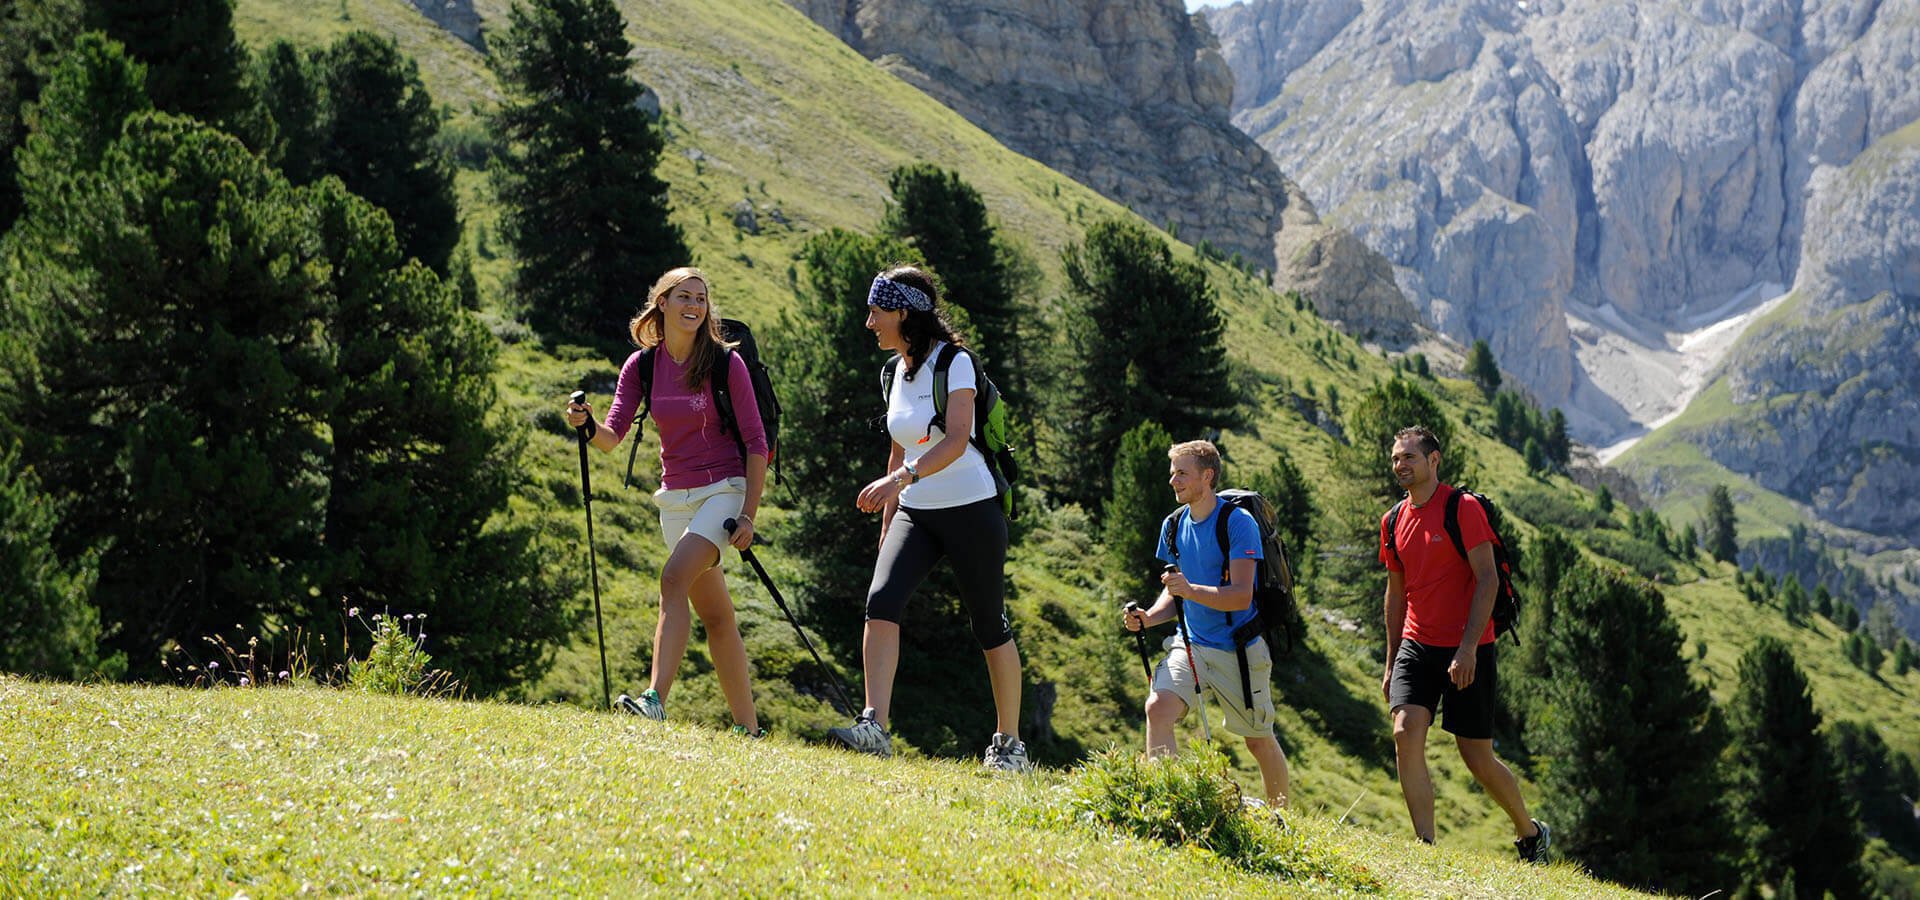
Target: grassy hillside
x=762, y=106
x=283, y=791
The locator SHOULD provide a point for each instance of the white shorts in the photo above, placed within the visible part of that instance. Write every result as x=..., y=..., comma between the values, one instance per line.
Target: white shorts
x=1220, y=673
x=703, y=511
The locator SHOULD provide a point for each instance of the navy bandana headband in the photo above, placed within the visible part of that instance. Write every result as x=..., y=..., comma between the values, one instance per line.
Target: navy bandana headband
x=892, y=295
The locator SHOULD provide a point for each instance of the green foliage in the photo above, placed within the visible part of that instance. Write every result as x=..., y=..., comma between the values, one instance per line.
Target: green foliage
x=1718, y=531
x=290, y=89
x=1880, y=782
x=1293, y=504
x=1629, y=741
x=195, y=65
x=1380, y=413
x=33, y=35
x=1558, y=445
x=1794, y=814
x=1136, y=506
x=1603, y=500
x=1143, y=345
x=829, y=375
x=1482, y=368
x=378, y=133
x=397, y=661
x=47, y=627
x=80, y=112
x=1544, y=506
x=943, y=217
x=1644, y=557
x=1190, y=801
x=583, y=210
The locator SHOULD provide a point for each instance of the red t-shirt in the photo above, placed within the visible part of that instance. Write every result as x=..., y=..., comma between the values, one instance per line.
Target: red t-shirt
x=1439, y=582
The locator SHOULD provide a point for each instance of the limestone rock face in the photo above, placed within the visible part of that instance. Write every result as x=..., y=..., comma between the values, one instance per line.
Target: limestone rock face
x=457, y=17
x=1131, y=98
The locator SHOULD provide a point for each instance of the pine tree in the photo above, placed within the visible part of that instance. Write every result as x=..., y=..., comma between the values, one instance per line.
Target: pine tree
x=1143, y=344
x=422, y=458
x=583, y=210
x=378, y=136
x=943, y=217
x=1136, y=506
x=33, y=34
x=1877, y=784
x=1794, y=815
x=1631, y=740
x=195, y=65
x=170, y=374
x=47, y=625
x=1286, y=488
x=1535, y=457
x=1603, y=500
x=1379, y=414
x=1482, y=368
x=1558, y=445
x=290, y=88
x=1719, y=531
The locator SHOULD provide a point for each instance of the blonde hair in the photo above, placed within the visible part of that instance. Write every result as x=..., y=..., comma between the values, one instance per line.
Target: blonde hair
x=1203, y=452
x=649, y=327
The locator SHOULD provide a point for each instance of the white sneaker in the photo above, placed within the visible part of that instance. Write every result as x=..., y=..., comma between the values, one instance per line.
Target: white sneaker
x=646, y=706
x=864, y=736
x=1005, y=754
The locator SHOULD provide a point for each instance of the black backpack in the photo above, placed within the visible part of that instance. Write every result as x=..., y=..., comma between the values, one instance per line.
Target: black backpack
x=1275, y=611
x=733, y=331
x=992, y=420
x=1506, y=600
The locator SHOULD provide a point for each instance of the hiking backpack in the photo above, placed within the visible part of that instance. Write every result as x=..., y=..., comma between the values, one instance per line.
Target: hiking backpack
x=992, y=420
x=732, y=331
x=1273, y=598
x=1506, y=600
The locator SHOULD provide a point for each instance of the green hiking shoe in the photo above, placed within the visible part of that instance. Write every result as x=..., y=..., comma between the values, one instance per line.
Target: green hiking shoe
x=646, y=706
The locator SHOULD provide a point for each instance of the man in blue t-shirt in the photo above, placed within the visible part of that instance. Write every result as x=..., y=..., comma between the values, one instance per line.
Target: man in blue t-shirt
x=1213, y=612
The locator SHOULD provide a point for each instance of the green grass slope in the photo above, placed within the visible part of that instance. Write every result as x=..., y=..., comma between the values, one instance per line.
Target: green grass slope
x=763, y=106
x=284, y=791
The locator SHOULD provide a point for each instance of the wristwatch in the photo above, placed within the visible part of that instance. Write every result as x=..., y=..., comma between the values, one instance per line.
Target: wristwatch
x=913, y=474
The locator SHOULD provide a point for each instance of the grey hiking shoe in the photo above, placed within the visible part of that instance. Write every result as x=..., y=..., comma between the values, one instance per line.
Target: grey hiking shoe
x=864, y=736
x=646, y=706
x=1005, y=754
x=1534, y=849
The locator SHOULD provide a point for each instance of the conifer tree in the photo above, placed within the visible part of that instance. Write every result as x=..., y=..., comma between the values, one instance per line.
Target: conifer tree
x=1482, y=368
x=1630, y=740
x=583, y=210
x=944, y=218
x=170, y=375
x=1378, y=415
x=378, y=138
x=1878, y=783
x=1719, y=531
x=47, y=624
x=195, y=65
x=33, y=34
x=1286, y=488
x=1136, y=505
x=290, y=87
x=1558, y=445
x=1143, y=344
x=1793, y=813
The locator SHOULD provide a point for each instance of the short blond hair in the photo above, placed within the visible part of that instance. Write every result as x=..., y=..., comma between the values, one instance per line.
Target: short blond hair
x=1203, y=452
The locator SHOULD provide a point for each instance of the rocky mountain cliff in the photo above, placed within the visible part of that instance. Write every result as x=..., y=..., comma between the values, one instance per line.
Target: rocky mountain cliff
x=1592, y=187
x=1131, y=98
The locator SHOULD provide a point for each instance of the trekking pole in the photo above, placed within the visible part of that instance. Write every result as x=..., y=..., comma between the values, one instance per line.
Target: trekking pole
x=1140, y=643
x=584, y=432
x=1186, y=643
x=839, y=689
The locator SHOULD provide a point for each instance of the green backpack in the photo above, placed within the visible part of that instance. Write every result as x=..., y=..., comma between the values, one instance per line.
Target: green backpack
x=992, y=422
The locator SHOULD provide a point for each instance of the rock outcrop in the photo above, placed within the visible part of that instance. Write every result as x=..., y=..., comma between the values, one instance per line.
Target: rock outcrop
x=457, y=17
x=1131, y=98
x=1640, y=170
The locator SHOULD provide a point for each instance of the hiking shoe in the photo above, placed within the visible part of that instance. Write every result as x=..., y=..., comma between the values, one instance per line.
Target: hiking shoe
x=864, y=736
x=646, y=706
x=1534, y=849
x=741, y=731
x=1004, y=754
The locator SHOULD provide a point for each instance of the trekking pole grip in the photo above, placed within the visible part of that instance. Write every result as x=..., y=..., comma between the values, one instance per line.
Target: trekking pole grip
x=730, y=525
x=585, y=429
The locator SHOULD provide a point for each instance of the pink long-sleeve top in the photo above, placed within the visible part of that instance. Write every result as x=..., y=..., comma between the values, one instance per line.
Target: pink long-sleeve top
x=695, y=448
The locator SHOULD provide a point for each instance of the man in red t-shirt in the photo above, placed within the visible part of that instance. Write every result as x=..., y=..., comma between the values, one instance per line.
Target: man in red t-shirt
x=1436, y=602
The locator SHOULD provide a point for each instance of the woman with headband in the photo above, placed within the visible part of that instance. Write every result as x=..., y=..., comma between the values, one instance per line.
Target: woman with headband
x=938, y=498
x=706, y=478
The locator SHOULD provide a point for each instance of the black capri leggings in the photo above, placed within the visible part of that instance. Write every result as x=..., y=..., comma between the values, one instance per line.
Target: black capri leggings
x=974, y=536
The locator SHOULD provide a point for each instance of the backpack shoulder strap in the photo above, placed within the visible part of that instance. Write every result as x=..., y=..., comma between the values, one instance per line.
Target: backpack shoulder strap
x=721, y=385
x=644, y=369
x=1169, y=531
x=1453, y=522
x=1393, y=530
x=941, y=365
x=888, y=370
x=1221, y=519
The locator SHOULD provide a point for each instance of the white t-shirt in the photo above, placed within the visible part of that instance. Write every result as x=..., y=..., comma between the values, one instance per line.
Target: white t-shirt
x=909, y=412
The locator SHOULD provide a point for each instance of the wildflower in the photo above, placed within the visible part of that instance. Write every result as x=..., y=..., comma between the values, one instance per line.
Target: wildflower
x=355, y=612
x=244, y=681
x=214, y=664
x=283, y=675
x=422, y=617
x=408, y=617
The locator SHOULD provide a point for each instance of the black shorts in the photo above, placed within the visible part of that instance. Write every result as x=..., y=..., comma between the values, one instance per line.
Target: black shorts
x=1420, y=679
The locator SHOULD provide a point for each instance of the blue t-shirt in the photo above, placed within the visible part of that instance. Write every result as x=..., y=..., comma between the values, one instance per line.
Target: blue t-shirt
x=1202, y=562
